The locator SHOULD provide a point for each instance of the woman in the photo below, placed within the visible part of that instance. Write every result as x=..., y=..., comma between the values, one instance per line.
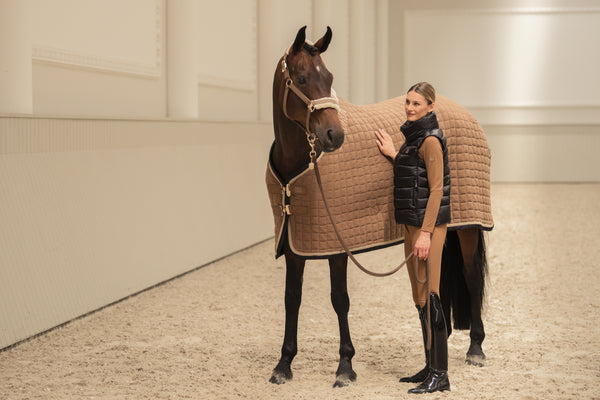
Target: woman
x=422, y=204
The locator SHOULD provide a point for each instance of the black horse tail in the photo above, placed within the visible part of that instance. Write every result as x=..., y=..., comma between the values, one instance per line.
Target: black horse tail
x=456, y=283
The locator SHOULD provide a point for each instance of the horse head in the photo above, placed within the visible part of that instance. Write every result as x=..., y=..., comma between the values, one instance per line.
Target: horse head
x=304, y=104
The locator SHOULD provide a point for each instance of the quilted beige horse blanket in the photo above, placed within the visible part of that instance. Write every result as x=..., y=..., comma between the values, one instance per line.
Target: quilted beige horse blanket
x=358, y=183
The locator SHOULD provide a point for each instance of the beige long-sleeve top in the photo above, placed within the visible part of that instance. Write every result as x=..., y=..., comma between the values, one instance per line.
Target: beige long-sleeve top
x=431, y=152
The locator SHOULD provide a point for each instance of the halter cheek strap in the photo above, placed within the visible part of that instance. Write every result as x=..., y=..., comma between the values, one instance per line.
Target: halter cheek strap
x=311, y=105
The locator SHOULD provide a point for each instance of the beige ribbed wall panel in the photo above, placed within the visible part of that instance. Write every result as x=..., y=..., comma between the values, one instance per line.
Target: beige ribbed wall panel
x=95, y=210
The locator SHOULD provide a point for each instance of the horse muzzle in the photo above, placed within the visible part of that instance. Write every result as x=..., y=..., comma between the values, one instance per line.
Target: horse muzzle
x=329, y=131
x=331, y=139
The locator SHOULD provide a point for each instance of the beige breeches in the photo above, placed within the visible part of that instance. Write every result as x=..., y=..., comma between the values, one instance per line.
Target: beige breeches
x=420, y=290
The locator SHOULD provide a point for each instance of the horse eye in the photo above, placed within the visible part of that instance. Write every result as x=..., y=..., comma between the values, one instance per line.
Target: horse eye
x=302, y=80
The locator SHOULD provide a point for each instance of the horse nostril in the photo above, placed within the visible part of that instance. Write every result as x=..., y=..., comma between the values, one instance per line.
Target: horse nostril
x=331, y=138
x=330, y=135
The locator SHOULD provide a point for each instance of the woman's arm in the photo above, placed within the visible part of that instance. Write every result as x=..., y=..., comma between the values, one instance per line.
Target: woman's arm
x=431, y=152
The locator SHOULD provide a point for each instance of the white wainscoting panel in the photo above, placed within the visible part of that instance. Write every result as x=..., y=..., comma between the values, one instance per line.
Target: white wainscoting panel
x=228, y=44
x=117, y=36
x=522, y=65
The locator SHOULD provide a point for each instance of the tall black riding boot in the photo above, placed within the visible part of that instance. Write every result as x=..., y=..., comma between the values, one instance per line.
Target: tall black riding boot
x=437, y=379
x=422, y=374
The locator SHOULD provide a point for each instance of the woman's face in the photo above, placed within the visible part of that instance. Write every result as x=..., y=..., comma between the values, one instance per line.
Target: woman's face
x=416, y=106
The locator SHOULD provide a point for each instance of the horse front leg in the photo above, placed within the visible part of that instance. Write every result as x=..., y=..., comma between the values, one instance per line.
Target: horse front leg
x=293, y=297
x=338, y=267
x=473, y=250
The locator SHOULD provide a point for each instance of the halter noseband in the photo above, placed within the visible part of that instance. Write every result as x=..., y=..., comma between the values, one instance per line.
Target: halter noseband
x=311, y=105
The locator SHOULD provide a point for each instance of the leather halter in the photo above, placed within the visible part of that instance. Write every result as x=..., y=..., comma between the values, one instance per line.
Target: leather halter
x=311, y=105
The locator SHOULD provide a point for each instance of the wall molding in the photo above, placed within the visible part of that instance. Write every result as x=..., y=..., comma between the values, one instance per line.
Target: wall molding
x=77, y=60
x=224, y=82
x=84, y=61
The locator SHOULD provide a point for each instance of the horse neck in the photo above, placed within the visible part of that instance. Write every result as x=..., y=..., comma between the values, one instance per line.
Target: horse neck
x=291, y=149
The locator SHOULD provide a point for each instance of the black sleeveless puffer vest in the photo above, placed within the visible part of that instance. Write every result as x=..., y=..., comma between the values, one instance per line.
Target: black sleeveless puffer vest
x=411, y=188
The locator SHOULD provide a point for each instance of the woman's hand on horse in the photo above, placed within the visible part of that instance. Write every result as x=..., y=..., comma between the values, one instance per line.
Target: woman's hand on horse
x=385, y=143
x=421, y=249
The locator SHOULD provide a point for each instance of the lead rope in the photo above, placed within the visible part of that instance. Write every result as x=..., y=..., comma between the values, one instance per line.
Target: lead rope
x=313, y=165
x=332, y=102
x=339, y=236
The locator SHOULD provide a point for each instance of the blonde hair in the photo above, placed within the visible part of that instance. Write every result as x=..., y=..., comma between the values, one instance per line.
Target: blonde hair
x=425, y=89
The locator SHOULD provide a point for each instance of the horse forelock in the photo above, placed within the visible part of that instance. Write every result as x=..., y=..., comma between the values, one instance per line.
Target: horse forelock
x=312, y=50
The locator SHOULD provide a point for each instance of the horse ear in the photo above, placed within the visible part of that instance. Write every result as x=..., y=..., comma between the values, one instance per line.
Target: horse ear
x=323, y=43
x=300, y=39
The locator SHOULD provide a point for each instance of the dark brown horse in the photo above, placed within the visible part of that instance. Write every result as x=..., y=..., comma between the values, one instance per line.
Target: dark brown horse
x=303, y=103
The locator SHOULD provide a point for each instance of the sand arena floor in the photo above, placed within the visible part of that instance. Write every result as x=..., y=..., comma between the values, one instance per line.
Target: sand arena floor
x=216, y=333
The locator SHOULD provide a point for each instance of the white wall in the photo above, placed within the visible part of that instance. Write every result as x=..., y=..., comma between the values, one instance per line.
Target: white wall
x=526, y=71
x=114, y=179
x=94, y=210
x=510, y=66
x=99, y=58
x=104, y=192
x=228, y=54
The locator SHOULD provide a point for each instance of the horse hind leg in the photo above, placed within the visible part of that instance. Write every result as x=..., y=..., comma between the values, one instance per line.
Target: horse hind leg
x=293, y=297
x=474, y=271
x=338, y=266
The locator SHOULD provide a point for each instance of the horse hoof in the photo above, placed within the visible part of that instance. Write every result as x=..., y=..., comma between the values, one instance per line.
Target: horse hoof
x=475, y=355
x=345, y=379
x=279, y=377
x=477, y=360
x=342, y=382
